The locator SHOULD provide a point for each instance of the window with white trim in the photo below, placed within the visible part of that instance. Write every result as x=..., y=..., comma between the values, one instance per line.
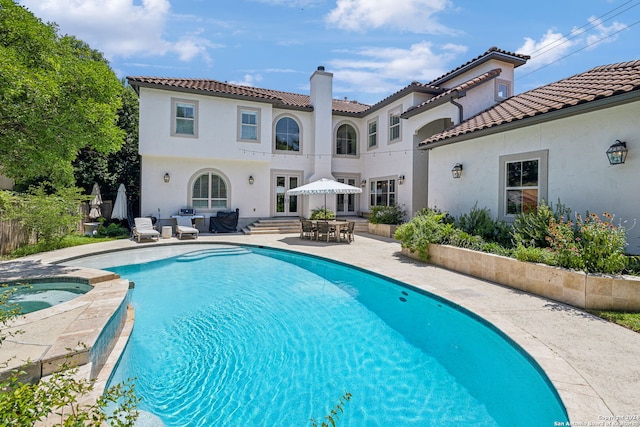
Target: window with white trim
x=249, y=124
x=346, y=140
x=394, y=125
x=382, y=192
x=209, y=192
x=372, y=130
x=523, y=182
x=503, y=89
x=184, y=117
x=287, y=135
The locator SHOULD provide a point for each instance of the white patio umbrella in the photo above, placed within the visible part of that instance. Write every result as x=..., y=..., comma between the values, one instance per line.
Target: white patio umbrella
x=120, y=205
x=96, y=201
x=324, y=186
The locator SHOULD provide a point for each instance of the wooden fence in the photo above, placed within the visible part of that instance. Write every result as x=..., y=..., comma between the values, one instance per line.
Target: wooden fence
x=14, y=235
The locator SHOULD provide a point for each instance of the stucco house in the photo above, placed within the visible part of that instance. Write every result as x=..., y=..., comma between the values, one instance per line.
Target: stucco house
x=210, y=145
x=548, y=143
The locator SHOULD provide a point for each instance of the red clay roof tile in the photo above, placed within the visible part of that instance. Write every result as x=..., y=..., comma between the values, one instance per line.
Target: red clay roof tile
x=599, y=82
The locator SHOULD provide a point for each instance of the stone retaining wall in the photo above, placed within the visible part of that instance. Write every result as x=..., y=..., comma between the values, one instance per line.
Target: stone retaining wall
x=586, y=291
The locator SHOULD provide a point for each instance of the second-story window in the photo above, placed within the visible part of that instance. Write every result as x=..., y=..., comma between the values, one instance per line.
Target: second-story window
x=287, y=135
x=373, y=133
x=185, y=117
x=394, y=126
x=248, y=124
x=346, y=140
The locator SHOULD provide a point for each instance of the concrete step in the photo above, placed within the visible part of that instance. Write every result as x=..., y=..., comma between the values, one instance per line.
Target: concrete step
x=292, y=225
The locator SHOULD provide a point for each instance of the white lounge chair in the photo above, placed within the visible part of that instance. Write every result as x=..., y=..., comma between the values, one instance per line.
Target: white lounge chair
x=184, y=226
x=144, y=229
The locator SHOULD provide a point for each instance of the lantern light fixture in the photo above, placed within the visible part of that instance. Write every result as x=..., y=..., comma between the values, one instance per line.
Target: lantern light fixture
x=456, y=172
x=166, y=177
x=251, y=180
x=617, y=153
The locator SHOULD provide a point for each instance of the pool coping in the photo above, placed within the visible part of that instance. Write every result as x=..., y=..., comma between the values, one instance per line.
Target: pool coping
x=584, y=399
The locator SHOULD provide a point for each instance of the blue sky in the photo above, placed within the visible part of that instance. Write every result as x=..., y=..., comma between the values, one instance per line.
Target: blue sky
x=373, y=47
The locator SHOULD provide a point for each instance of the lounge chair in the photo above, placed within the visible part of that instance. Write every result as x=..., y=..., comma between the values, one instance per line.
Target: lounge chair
x=144, y=229
x=184, y=226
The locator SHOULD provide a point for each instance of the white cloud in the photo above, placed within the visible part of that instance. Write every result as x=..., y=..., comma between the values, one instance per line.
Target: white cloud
x=551, y=47
x=385, y=70
x=603, y=34
x=248, y=80
x=120, y=28
x=554, y=46
x=417, y=16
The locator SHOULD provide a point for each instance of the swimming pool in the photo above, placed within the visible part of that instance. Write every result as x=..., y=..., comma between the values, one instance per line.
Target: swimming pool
x=40, y=295
x=255, y=336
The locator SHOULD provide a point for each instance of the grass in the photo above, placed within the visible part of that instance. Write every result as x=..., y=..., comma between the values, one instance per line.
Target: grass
x=628, y=320
x=66, y=242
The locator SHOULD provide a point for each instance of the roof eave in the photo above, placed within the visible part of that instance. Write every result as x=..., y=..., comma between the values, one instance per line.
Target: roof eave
x=492, y=55
x=573, y=110
x=275, y=102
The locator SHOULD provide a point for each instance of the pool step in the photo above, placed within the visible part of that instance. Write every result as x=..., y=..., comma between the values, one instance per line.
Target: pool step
x=208, y=253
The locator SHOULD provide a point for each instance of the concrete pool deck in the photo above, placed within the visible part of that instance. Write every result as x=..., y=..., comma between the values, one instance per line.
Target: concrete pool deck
x=594, y=364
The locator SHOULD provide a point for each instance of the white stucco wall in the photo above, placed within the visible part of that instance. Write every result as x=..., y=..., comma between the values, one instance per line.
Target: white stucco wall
x=579, y=173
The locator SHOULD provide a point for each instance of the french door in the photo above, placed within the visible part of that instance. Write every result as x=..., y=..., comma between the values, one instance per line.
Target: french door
x=286, y=205
x=346, y=203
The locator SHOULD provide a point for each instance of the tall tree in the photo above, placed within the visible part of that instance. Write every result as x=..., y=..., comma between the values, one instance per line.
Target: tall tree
x=57, y=96
x=123, y=166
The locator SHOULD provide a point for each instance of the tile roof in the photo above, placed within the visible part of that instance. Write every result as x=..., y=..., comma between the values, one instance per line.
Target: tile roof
x=278, y=98
x=598, y=83
x=516, y=59
x=463, y=87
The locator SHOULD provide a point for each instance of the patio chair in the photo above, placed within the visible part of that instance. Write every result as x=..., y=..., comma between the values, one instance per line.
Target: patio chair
x=184, y=226
x=144, y=229
x=325, y=231
x=307, y=229
x=346, y=232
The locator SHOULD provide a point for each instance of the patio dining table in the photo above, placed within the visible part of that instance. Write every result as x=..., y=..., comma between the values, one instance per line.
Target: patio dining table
x=334, y=225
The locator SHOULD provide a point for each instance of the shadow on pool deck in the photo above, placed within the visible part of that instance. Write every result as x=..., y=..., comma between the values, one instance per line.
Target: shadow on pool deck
x=593, y=364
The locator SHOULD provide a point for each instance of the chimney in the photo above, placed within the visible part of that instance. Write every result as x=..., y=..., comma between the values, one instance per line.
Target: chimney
x=321, y=97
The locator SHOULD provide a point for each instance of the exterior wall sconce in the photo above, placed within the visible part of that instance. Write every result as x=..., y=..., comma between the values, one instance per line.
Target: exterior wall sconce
x=363, y=183
x=456, y=172
x=166, y=177
x=251, y=180
x=400, y=179
x=617, y=153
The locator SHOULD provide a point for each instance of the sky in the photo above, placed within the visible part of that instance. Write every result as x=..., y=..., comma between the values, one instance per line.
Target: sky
x=372, y=47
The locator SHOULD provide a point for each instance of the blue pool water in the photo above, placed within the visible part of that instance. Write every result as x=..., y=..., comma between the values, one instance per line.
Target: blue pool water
x=40, y=295
x=259, y=337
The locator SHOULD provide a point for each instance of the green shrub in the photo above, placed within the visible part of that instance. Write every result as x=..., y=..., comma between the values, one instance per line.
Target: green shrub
x=427, y=226
x=113, y=230
x=533, y=254
x=479, y=222
x=532, y=228
x=590, y=244
x=392, y=214
x=322, y=213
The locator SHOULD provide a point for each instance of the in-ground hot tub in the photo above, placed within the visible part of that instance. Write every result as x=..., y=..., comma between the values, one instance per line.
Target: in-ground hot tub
x=38, y=295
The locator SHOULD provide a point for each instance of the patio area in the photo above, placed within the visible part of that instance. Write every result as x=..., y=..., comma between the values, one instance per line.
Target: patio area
x=592, y=363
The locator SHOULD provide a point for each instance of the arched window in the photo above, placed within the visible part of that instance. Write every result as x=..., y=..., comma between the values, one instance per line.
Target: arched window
x=287, y=135
x=209, y=191
x=346, y=140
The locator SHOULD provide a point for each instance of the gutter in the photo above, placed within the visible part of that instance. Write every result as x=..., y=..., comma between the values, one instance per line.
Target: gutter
x=460, y=107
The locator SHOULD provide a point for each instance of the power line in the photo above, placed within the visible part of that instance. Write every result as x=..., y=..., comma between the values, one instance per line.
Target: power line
x=581, y=49
x=577, y=32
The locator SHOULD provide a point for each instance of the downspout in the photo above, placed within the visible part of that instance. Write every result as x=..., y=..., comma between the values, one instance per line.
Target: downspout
x=458, y=95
